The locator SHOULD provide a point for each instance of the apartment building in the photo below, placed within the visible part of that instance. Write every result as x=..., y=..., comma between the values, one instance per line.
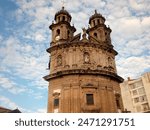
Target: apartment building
x=136, y=93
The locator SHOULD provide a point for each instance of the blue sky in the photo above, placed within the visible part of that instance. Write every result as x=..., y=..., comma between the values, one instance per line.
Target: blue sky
x=24, y=37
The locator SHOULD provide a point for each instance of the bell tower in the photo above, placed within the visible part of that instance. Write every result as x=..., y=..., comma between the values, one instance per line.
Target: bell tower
x=61, y=28
x=83, y=75
x=98, y=29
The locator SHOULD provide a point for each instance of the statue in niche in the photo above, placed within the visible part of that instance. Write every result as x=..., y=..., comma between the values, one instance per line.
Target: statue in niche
x=59, y=60
x=110, y=62
x=86, y=57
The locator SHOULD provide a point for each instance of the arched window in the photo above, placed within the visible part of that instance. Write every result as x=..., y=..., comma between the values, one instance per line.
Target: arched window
x=98, y=21
x=58, y=32
x=59, y=60
x=94, y=22
x=57, y=37
x=86, y=57
x=59, y=19
x=63, y=18
x=95, y=34
x=68, y=33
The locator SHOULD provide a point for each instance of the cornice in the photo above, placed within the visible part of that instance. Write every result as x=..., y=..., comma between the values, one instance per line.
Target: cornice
x=84, y=72
x=104, y=46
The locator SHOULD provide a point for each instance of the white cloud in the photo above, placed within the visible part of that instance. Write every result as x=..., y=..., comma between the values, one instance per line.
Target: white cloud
x=146, y=22
x=39, y=38
x=1, y=38
x=133, y=66
x=137, y=5
x=11, y=86
x=23, y=60
x=41, y=110
x=7, y=103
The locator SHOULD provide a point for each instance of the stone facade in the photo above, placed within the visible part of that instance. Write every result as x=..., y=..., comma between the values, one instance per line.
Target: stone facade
x=83, y=76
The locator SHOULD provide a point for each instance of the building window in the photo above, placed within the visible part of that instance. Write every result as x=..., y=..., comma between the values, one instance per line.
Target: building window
x=138, y=108
x=118, y=103
x=57, y=35
x=141, y=91
x=94, y=22
x=136, y=100
x=143, y=98
x=59, y=60
x=63, y=18
x=56, y=102
x=98, y=21
x=89, y=99
x=95, y=35
x=139, y=84
x=58, y=32
x=145, y=107
x=68, y=33
x=59, y=19
x=132, y=86
x=134, y=92
x=136, y=85
x=86, y=57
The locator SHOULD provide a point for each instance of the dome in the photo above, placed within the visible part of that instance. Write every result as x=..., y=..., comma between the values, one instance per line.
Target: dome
x=96, y=15
x=62, y=11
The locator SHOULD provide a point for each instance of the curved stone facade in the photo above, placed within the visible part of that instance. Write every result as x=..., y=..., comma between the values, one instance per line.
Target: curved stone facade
x=83, y=75
x=72, y=89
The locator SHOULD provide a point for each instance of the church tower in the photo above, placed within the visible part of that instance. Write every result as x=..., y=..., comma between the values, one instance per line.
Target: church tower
x=83, y=76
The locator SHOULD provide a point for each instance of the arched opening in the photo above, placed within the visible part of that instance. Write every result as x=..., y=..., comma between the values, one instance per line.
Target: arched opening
x=57, y=37
x=98, y=21
x=59, y=19
x=94, y=22
x=58, y=32
x=63, y=18
x=68, y=33
x=95, y=34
